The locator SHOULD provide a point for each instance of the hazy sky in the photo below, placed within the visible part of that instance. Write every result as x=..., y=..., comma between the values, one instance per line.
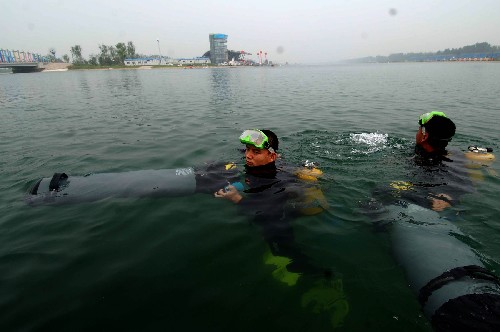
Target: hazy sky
x=288, y=30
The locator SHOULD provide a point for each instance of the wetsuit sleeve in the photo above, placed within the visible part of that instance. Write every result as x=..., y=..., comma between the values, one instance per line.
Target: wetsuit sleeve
x=214, y=176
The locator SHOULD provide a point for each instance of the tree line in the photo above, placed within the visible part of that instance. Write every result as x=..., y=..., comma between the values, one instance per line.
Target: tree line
x=478, y=48
x=109, y=55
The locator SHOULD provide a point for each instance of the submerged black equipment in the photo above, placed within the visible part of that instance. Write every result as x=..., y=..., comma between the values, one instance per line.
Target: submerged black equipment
x=456, y=291
x=63, y=189
x=67, y=189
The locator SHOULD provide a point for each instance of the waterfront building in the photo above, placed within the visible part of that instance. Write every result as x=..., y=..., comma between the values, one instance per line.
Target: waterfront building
x=218, y=48
x=200, y=60
x=166, y=61
x=141, y=61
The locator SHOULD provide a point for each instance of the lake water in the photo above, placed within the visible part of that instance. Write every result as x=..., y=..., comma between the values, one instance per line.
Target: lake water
x=193, y=263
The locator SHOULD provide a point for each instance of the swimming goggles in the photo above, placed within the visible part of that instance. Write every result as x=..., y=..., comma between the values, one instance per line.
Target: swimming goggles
x=256, y=138
x=426, y=117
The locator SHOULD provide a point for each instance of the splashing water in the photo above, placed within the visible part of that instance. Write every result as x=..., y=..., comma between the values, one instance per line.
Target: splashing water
x=374, y=141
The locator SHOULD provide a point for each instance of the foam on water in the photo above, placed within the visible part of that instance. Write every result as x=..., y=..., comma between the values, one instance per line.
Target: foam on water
x=369, y=142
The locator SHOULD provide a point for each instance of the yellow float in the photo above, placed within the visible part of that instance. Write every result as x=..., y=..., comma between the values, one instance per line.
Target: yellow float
x=313, y=200
x=478, y=159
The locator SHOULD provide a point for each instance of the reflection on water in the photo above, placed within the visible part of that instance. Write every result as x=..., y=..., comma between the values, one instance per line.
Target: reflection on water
x=221, y=82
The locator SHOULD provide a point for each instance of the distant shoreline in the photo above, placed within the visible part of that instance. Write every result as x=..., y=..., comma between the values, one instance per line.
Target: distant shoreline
x=64, y=67
x=467, y=61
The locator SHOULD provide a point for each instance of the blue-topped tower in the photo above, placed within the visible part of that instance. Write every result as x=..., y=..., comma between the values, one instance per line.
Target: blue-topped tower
x=218, y=48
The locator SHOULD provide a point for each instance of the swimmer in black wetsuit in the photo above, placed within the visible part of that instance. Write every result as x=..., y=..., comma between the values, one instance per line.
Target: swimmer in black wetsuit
x=437, y=176
x=440, y=177
x=455, y=288
x=273, y=196
x=267, y=196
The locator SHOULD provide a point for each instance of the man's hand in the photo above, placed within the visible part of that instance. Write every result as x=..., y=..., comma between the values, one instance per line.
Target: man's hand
x=230, y=193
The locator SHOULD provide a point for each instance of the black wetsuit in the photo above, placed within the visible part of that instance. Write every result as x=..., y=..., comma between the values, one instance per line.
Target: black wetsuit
x=429, y=175
x=433, y=174
x=271, y=199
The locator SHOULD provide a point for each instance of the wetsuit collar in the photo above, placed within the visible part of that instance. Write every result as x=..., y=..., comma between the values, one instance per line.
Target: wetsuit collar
x=265, y=171
x=430, y=158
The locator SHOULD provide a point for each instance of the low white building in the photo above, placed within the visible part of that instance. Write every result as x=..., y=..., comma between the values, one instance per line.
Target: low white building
x=191, y=61
x=165, y=61
x=142, y=62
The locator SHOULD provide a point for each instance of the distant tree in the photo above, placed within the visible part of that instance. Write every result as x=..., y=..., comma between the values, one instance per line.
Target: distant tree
x=76, y=54
x=93, y=60
x=51, y=57
x=110, y=55
x=113, y=55
x=65, y=58
x=104, y=58
x=130, y=50
x=121, y=52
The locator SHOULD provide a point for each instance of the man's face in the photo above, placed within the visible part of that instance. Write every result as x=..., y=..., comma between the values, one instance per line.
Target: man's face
x=258, y=157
